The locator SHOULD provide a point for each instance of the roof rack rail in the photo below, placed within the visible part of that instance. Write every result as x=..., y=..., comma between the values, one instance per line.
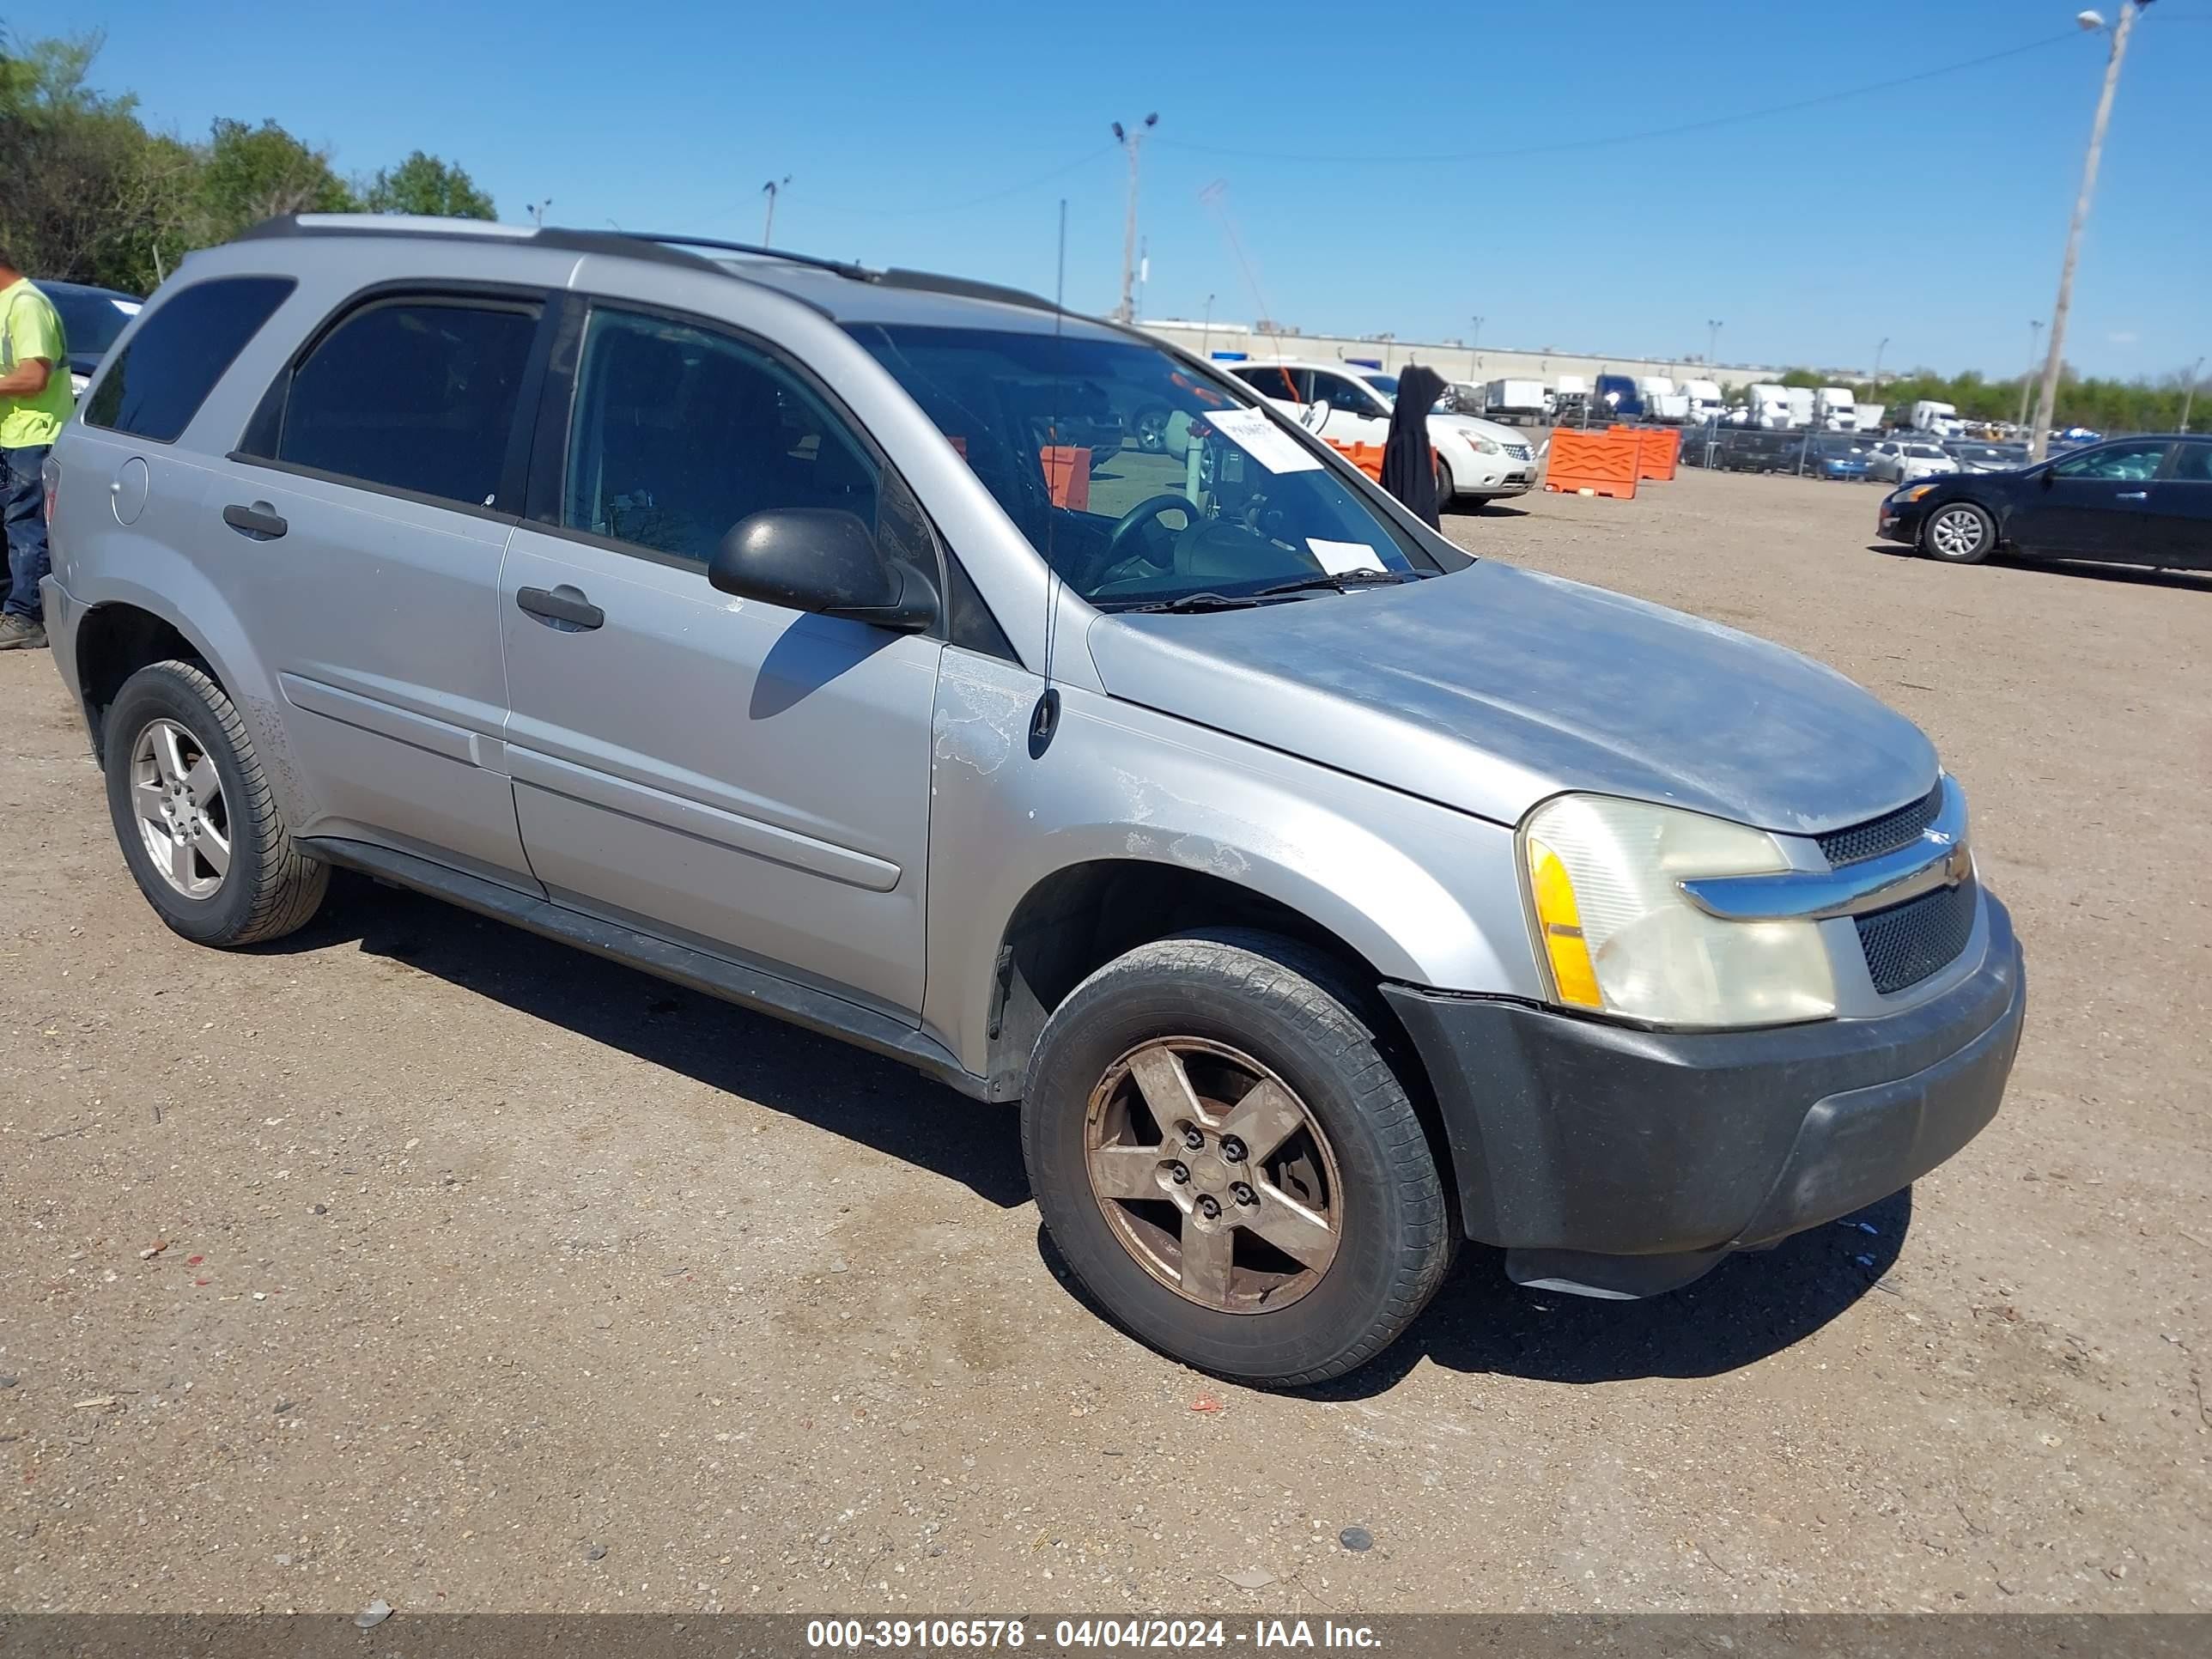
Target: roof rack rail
x=858, y=273
x=403, y=224
x=929, y=282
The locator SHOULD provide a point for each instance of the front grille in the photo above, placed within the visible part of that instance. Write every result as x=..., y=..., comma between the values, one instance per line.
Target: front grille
x=1886, y=834
x=1518, y=452
x=1906, y=943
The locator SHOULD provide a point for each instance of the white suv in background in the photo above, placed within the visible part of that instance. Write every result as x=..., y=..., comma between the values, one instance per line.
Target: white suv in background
x=1485, y=461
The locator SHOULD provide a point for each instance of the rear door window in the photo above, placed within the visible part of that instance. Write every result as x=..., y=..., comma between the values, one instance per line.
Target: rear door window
x=417, y=395
x=157, y=382
x=2193, y=463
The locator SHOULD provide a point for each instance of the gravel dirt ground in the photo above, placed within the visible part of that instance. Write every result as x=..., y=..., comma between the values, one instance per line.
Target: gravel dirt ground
x=414, y=1258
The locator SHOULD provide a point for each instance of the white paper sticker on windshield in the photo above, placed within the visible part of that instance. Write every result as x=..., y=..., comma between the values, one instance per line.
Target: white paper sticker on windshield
x=1266, y=443
x=1337, y=557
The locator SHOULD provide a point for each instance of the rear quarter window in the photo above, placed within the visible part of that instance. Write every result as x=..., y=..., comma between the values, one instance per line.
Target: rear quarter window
x=155, y=385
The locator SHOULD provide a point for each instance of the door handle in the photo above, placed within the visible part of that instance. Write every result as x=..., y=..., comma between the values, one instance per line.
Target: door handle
x=564, y=607
x=257, y=521
x=2132, y=496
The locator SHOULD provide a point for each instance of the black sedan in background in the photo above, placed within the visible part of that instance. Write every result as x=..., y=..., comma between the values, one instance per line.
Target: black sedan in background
x=2126, y=501
x=91, y=318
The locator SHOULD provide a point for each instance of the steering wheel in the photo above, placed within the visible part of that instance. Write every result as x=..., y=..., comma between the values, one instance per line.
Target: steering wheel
x=1135, y=518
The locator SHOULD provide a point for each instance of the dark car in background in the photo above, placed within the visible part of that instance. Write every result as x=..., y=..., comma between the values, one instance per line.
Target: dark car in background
x=91, y=318
x=2126, y=501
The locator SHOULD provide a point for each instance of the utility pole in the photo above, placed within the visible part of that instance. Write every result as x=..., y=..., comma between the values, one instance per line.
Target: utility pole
x=772, y=189
x=1131, y=141
x=2034, y=334
x=537, y=211
x=1205, y=348
x=2189, y=395
x=1712, y=339
x=2046, y=401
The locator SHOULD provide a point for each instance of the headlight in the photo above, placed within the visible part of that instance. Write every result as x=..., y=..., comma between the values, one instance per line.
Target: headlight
x=1618, y=936
x=1915, y=493
x=1483, y=445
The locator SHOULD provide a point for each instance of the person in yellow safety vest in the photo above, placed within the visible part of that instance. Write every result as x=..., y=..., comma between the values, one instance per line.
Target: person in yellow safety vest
x=34, y=400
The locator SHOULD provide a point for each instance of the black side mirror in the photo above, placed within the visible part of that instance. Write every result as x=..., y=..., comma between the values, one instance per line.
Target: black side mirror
x=2044, y=477
x=823, y=560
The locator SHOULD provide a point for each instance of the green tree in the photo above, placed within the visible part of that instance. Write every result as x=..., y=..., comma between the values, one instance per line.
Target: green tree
x=424, y=184
x=247, y=175
x=91, y=195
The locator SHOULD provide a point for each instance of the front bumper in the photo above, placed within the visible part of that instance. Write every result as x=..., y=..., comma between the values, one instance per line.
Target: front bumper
x=1899, y=523
x=1619, y=1162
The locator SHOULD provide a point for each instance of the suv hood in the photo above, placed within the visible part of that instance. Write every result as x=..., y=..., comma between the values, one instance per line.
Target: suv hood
x=1491, y=688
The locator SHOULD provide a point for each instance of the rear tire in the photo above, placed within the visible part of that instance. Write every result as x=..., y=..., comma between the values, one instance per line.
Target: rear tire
x=1324, y=1240
x=193, y=811
x=1959, y=533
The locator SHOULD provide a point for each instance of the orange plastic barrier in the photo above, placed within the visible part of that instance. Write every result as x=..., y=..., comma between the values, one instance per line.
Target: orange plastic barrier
x=1593, y=464
x=1067, y=476
x=1368, y=458
x=1661, y=451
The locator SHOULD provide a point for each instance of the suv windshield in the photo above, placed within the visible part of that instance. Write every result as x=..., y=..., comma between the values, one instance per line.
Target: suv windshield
x=1141, y=481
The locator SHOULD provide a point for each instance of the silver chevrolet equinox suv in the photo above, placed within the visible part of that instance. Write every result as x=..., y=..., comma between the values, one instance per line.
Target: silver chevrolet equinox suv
x=1011, y=694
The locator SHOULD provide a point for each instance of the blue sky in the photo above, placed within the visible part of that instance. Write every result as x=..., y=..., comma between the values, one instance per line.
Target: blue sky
x=923, y=135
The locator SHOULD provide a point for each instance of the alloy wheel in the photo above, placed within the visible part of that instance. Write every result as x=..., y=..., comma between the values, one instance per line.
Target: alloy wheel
x=1213, y=1175
x=1957, y=533
x=176, y=795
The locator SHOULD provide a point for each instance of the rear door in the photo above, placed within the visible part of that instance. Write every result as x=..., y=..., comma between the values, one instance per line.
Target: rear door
x=1285, y=388
x=2093, y=504
x=366, y=512
x=2180, y=528
x=725, y=773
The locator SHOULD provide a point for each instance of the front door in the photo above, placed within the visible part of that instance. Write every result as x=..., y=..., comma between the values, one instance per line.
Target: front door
x=360, y=524
x=2092, y=505
x=1356, y=415
x=747, y=779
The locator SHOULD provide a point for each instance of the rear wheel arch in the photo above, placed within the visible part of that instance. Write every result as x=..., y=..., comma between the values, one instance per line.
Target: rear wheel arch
x=114, y=641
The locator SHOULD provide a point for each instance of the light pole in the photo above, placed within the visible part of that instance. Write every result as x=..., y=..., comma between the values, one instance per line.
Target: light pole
x=1205, y=350
x=1474, y=350
x=1712, y=339
x=2047, y=399
x=2189, y=395
x=1131, y=141
x=772, y=189
x=1880, y=347
x=537, y=211
x=2034, y=333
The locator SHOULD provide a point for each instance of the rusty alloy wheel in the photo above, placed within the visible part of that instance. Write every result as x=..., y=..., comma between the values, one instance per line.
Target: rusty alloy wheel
x=1213, y=1175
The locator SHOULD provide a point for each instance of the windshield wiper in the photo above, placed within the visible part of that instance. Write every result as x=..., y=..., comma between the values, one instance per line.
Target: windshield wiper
x=1197, y=602
x=1341, y=581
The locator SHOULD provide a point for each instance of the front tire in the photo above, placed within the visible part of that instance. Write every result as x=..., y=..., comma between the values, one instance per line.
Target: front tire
x=1228, y=1163
x=199, y=826
x=1959, y=533
x=1444, y=487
